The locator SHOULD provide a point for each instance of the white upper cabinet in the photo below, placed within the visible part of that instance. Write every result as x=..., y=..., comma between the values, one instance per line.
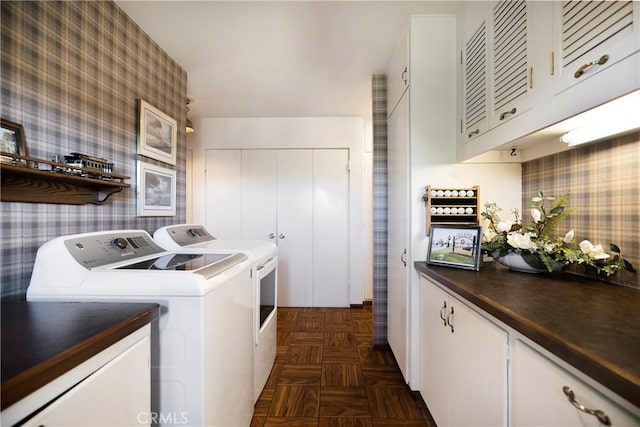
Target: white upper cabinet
x=591, y=37
x=546, y=62
x=496, y=70
x=475, y=80
x=398, y=73
x=510, y=67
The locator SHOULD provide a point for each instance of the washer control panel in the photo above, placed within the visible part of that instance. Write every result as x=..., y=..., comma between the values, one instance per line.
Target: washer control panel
x=189, y=234
x=104, y=249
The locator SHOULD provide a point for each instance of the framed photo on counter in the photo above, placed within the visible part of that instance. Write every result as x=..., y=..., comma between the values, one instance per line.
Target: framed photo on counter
x=455, y=246
x=156, y=195
x=157, y=134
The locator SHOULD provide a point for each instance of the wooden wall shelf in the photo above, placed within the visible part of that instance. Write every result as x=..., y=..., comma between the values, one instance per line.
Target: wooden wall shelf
x=23, y=180
x=452, y=206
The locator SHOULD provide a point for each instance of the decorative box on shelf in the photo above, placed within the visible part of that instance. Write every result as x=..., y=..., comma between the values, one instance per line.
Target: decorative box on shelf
x=452, y=206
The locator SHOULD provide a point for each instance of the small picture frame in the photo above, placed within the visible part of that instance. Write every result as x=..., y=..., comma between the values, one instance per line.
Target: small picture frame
x=455, y=246
x=157, y=134
x=12, y=140
x=156, y=192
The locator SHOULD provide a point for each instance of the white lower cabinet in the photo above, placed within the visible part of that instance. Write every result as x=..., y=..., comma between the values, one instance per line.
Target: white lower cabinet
x=463, y=361
x=474, y=371
x=117, y=394
x=541, y=391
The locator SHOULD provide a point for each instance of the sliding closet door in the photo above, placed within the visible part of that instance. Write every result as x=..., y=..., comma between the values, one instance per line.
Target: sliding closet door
x=223, y=184
x=295, y=228
x=330, y=228
x=259, y=190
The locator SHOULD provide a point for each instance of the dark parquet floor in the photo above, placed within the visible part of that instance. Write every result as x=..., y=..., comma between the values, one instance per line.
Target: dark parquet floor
x=327, y=374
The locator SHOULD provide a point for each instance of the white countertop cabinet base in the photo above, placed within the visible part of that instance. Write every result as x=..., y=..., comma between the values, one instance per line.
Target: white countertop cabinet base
x=463, y=361
x=538, y=399
x=476, y=371
x=116, y=394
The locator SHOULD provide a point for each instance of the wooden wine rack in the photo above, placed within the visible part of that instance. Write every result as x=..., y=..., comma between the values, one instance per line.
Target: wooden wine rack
x=452, y=206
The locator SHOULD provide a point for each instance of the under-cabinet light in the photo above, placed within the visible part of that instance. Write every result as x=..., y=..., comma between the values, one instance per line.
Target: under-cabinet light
x=618, y=116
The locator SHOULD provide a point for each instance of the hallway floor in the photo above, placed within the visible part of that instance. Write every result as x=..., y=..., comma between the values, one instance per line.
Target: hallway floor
x=327, y=374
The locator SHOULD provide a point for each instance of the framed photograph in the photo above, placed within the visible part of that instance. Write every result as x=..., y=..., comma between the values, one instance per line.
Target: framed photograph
x=157, y=134
x=455, y=246
x=12, y=139
x=156, y=190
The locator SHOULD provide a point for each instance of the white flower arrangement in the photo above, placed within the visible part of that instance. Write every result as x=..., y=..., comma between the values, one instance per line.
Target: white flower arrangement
x=537, y=245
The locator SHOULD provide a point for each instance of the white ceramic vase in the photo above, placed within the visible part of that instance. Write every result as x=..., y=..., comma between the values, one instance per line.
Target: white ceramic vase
x=515, y=262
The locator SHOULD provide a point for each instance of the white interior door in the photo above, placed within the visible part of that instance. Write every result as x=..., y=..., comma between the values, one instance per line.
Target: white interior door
x=330, y=228
x=223, y=185
x=397, y=231
x=259, y=191
x=295, y=228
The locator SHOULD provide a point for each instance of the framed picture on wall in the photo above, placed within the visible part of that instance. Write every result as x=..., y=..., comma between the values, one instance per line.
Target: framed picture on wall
x=157, y=134
x=156, y=195
x=455, y=246
x=12, y=140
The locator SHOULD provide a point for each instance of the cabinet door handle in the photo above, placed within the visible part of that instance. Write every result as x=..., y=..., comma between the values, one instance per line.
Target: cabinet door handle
x=450, y=319
x=403, y=257
x=602, y=60
x=443, y=311
x=404, y=76
x=601, y=416
x=473, y=132
x=504, y=114
x=281, y=236
x=272, y=235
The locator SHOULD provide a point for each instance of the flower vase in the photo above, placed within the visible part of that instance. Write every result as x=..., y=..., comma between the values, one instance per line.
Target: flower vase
x=514, y=261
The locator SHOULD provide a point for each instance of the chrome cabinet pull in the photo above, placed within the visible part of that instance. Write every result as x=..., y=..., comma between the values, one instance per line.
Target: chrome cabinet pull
x=504, y=114
x=404, y=76
x=403, y=257
x=473, y=132
x=603, y=59
x=443, y=310
x=281, y=236
x=601, y=416
x=450, y=319
x=272, y=236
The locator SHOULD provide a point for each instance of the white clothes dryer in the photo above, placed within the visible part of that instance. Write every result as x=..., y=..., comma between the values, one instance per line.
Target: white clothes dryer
x=264, y=259
x=202, y=363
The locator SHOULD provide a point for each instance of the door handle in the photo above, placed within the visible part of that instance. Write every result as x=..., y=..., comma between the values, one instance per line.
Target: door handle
x=272, y=236
x=601, y=416
x=281, y=236
x=450, y=319
x=403, y=257
x=443, y=310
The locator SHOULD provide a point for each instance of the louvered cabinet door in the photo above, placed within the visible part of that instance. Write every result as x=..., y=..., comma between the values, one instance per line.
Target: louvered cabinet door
x=592, y=36
x=510, y=68
x=475, y=83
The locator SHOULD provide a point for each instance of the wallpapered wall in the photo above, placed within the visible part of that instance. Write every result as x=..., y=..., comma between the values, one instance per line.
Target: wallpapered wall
x=604, y=181
x=72, y=73
x=379, y=110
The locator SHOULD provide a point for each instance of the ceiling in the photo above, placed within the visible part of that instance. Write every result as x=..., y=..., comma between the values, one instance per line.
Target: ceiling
x=279, y=59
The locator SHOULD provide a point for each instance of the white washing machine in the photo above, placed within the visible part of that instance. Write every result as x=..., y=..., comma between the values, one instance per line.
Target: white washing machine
x=202, y=366
x=264, y=259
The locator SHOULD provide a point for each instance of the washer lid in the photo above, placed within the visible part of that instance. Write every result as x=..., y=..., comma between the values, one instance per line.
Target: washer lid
x=207, y=265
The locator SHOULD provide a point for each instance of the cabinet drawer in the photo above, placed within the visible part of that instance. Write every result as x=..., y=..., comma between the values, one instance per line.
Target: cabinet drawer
x=538, y=399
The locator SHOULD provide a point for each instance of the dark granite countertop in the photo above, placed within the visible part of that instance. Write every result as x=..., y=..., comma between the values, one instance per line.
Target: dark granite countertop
x=43, y=340
x=592, y=325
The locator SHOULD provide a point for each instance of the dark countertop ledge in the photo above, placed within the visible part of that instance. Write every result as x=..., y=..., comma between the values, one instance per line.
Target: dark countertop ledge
x=43, y=340
x=591, y=325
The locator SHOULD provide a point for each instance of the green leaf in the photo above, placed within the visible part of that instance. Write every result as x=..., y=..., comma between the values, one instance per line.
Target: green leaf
x=534, y=260
x=614, y=248
x=557, y=210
